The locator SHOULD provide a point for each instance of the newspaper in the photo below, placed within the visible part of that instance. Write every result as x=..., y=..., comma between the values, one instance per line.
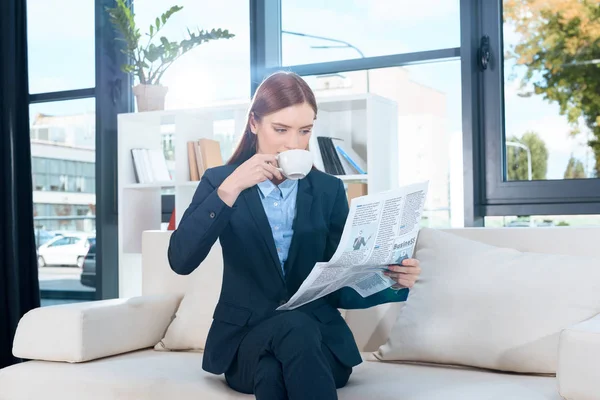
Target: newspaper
x=381, y=229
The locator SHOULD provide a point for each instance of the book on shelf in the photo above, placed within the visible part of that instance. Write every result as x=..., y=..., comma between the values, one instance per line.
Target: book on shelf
x=336, y=157
x=150, y=166
x=354, y=190
x=202, y=155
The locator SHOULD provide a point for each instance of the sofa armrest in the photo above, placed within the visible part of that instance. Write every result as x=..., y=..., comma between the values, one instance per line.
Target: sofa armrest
x=86, y=331
x=578, y=370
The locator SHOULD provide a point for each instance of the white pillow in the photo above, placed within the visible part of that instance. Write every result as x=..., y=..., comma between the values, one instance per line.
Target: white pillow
x=189, y=328
x=489, y=307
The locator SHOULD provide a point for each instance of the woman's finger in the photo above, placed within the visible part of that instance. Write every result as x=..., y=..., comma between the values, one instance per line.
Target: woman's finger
x=274, y=171
x=410, y=262
x=267, y=174
x=405, y=270
x=406, y=283
x=266, y=157
x=399, y=275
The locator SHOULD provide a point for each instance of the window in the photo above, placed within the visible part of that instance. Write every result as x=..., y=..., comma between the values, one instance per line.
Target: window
x=541, y=105
x=331, y=43
x=542, y=141
x=315, y=31
x=73, y=93
x=216, y=71
x=542, y=221
x=429, y=127
x=62, y=159
x=61, y=242
x=58, y=59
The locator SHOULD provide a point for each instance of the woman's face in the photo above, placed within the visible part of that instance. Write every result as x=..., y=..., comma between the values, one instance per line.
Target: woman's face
x=287, y=129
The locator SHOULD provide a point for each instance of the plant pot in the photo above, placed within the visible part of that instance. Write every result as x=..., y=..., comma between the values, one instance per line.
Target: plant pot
x=150, y=97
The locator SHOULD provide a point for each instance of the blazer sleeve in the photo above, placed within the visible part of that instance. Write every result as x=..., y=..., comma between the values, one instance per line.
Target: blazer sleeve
x=346, y=297
x=199, y=228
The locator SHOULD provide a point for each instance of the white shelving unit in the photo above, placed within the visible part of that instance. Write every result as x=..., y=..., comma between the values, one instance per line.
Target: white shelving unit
x=367, y=122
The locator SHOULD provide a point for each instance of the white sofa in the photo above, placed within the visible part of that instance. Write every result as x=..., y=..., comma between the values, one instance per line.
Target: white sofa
x=108, y=354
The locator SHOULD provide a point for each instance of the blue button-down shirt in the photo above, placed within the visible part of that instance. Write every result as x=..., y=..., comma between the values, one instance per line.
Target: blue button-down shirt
x=279, y=203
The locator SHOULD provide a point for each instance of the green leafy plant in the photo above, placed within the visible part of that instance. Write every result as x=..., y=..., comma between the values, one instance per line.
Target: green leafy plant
x=150, y=60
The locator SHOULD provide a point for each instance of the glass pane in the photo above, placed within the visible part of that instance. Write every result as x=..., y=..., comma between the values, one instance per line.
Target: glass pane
x=551, y=90
x=58, y=164
x=58, y=58
x=316, y=31
x=429, y=128
x=542, y=221
x=215, y=71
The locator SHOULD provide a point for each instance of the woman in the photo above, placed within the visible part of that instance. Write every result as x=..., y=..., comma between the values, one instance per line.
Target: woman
x=272, y=232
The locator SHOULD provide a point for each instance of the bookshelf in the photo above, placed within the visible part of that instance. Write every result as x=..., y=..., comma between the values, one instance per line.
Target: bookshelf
x=366, y=122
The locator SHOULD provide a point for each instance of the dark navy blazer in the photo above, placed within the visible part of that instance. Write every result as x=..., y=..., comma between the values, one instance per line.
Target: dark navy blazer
x=253, y=283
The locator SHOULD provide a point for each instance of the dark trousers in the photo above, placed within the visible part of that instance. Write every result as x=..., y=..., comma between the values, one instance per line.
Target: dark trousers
x=283, y=358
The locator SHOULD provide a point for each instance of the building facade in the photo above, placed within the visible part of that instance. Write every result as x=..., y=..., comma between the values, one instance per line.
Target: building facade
x=63, y=172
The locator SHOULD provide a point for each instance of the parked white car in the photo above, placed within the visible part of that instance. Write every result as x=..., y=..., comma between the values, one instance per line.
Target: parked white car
x=66, y=249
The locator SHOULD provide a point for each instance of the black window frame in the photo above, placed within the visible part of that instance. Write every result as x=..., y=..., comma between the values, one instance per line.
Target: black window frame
x=112, y=94
x=265, y=39
x=504, y=198
x=485, y=191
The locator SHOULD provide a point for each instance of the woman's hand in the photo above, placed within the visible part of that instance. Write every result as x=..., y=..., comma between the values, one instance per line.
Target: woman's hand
x=406, y=274
x=258, y=168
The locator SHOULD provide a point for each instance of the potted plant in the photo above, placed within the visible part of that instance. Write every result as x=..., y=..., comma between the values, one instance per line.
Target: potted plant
x=149, y=60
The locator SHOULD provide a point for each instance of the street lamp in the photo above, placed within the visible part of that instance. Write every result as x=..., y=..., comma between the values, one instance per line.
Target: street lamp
x=522, y=146
x=529, y=173
x=577, y=63
x=344, y=45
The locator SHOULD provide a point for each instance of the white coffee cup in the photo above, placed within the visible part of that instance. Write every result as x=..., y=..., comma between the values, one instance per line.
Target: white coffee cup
x=295, y=164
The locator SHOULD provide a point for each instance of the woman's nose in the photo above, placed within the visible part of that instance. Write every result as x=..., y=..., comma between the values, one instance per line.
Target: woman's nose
x=293, y=142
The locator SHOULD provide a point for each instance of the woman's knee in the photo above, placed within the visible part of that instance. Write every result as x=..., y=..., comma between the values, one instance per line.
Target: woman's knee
x=296, y=332
x=341, y=379
x=269, y=370
x=297, y=322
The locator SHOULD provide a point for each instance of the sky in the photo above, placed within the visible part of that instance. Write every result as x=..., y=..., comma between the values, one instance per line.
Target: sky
x=61, y=54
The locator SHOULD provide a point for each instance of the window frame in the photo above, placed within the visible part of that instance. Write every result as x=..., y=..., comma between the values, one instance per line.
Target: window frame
x=504, y=198
x=266, y=58
x=485, y=191
x=113, y=95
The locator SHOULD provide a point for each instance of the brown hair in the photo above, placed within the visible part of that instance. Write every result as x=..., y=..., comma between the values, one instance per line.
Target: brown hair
x=280, y=90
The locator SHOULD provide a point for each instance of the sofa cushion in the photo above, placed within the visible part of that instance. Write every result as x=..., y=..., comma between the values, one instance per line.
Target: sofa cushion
x=394, y=381
x=152, y=375
x=490, y=307
x=579, y=351
x=144, y=374
x=78, y=332
x=189, y=329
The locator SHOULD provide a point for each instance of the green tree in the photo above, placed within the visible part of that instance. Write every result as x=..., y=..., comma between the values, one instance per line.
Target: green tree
x=575, y=169
x=560, y=49
x=516, y=157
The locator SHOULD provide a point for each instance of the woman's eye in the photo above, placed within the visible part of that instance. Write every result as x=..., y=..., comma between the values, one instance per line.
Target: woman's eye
x=305, y=131
x=279, y=130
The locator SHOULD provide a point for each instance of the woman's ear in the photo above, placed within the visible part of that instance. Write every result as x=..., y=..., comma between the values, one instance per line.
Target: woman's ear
x=253, y=123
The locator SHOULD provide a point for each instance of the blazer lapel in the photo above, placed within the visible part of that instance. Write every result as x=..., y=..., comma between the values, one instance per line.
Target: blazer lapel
x=304, y=201
x=252, y=199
